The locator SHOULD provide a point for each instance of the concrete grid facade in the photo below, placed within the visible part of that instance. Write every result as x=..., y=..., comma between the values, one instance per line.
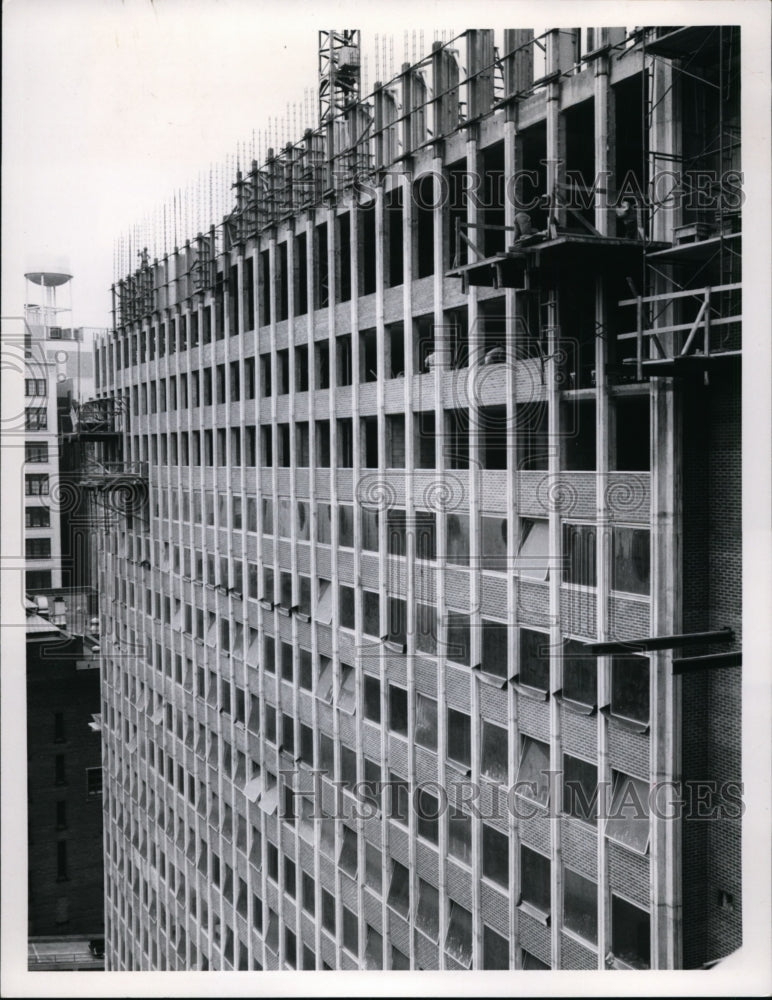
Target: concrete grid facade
x=377, y=511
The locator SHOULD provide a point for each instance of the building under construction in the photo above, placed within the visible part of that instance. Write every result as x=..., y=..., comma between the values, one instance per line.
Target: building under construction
x=419, y=479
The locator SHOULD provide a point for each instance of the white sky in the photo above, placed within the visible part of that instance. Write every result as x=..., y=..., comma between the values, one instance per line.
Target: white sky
x=111, y=106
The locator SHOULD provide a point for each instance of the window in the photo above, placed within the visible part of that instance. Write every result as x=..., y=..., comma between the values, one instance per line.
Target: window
x=397, y=623
x=398, y=710
x=580, y=673
x=532, y=560
x=427, y=812
x=580, y=905
x=372, y=692
x=534, y=669
x=459, y=737
x=350, y=931
x=493, y=539
x=36, y=485
x=61, y=815
x=347, y=692
x=348, y=860
x=323, y=524
x=373, y=868
x=459, y=638
x=459, y=835
x=373, y=949
x=425, y=535
x=36, y=452
x=346, y=603
x=580, y=789
x=426, y=722
x=325, y=683
x=630, y=688
x=396, y=532
x=579, y=554
x=35, y=418
x=37, y=517
x=630, y=933
x=60, y=776
x=458, y=539
x=494, y=758
x=495, y=949
x=37, y=548
x=630, y=560
x=495, y=852
x=346, y=525
x=427, y=916
x=534, y=879
x=94, y=781
x=369, y=529
x=426, y=629
x=458, y=941
x=35, y=387
x=371, y=608
x=628, y=819
x=308, y=887
x=533, y=778
x=399, y=889
x=495, y=649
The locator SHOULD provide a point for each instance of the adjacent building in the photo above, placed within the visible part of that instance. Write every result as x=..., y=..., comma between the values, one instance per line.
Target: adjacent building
x=420, y=571
x=64, y=774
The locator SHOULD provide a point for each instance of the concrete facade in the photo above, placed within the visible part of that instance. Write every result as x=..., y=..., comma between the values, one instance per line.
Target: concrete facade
x=385, y=472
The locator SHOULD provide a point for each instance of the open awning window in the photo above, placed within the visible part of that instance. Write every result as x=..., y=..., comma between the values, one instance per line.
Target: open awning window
x=532, y=559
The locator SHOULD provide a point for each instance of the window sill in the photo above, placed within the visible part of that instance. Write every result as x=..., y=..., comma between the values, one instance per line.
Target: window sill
x=629, y=596
x=577, y=707
x=624, y=722
x=537, y=694
x=542, y=916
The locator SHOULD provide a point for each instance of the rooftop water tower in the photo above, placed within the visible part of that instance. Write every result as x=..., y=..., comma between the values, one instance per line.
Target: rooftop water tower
x=43, y=309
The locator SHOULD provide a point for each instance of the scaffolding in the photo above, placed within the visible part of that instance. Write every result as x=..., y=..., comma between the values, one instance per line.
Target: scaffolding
x=688, y=316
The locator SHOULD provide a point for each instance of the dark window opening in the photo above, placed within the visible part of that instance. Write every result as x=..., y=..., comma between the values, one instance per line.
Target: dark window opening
x=301, y=368
x=395, y=441
x=343, y=257
x=456, y=175
x=425, y=440
x=630, y=687
x=491, y=215
x=367, y=249
x=282, y=366
x=580, y=789
x=393, y=225
x=343, y=359
x=424, y=356
x=457, y=439
x=493, y=436
x=368, y=356
x=578, y=435
x=580, y=673
x=322, y=354
x=423, y=204
x=323, y=443
x=300, y=286
x=630, y=933
x=630, y=555
x=632, y=439
x=282, y=283
x=369, y=442
x=345, y=443
x=322, y=267
x=395, y=347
